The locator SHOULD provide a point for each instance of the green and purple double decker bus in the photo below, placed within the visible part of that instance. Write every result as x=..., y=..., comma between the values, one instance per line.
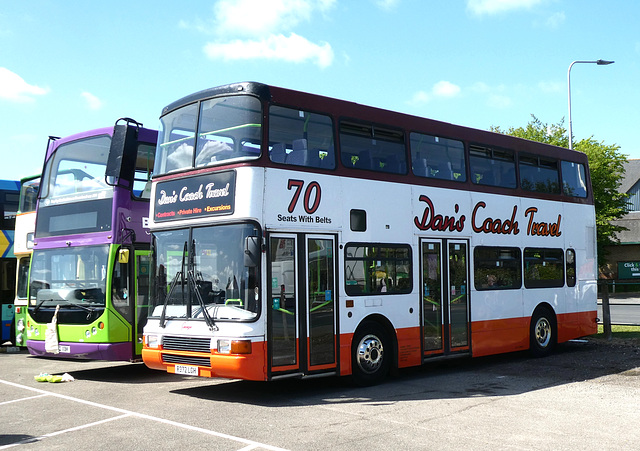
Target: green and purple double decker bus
x=89, y=269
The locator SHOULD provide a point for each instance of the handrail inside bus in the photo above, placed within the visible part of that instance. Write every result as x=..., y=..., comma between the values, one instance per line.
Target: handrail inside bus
x=202, y=135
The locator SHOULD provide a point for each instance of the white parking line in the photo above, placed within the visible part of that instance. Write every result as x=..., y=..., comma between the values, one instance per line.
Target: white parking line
x=53, y=434
x=21, y=399
x=250, y=443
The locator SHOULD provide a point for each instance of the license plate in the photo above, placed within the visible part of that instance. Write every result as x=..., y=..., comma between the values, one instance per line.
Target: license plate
x=187, y=370
x=64, y=348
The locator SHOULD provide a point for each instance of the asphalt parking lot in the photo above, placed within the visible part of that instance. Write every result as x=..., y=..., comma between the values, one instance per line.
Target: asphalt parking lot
x=586, y=396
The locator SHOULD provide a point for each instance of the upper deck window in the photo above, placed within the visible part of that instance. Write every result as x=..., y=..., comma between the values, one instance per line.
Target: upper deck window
x=438, y=158
x=143, y=170
x=76, y=172
x=539, y=174
x=491, y=166
x=372, y=148
x=573, y=179
x=228, y=128
x=301, y=138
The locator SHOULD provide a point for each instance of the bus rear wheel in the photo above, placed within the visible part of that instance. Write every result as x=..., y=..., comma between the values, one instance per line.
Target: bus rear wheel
x=542, y=335
x=371, y=355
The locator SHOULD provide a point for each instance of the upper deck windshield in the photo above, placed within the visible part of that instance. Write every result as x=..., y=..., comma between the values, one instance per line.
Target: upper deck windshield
x=211, y=132
x=76, y=172
x=205, y=267
x=69, y=276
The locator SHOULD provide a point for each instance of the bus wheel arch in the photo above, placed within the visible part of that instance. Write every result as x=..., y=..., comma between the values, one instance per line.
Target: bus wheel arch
x=543, y=331
x=373, y=351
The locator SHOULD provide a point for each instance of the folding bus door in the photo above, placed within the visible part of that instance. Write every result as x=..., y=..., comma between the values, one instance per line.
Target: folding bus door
x=301, y=332
x=143, y=259
x=445, y=296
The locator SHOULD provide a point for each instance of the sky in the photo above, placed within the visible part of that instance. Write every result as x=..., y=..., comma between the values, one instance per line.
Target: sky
x=71, y=66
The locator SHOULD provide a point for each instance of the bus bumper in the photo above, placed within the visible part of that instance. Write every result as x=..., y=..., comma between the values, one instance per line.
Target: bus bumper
x=84, y=351
x=231, y=366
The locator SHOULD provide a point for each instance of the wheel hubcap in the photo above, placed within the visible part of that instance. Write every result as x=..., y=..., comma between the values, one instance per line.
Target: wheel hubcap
x=543, y=332
x=370, y=354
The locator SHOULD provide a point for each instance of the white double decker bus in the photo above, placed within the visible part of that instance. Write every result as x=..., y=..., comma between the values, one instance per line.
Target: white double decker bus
x=295, y=235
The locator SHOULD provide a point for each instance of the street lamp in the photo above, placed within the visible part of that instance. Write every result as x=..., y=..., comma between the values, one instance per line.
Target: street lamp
x=599, y=63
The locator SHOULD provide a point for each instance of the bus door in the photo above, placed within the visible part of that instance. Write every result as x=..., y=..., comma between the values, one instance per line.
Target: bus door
x=445, y=296
x=130, y=293
x=302, y=304
x=143, y=259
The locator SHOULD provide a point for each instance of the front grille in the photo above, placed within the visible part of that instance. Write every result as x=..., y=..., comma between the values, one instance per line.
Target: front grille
x=186, y=360
x=186, y=344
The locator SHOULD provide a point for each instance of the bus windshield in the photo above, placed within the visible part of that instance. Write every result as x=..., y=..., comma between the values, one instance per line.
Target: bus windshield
x=76, y=172
x=75, y=275
x=29, y=195
x=203, y=273
x=217, y=130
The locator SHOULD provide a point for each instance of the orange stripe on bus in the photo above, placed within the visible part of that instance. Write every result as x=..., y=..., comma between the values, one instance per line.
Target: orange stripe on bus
x=487, y=338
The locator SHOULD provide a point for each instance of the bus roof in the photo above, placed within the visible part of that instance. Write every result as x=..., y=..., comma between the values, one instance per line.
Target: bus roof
x=350, y=110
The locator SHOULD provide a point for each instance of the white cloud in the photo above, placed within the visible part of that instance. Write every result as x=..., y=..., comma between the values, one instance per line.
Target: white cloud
x=93, y=102
x=259, y=29
x=14, y=88
x=260, y=17
x=481, y=7
x=445, y=89
x=420, y=97
x=442, y=89
x=292, y=48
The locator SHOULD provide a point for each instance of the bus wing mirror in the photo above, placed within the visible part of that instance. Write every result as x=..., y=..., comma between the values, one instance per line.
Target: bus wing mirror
x=251, y=251
x=123, y=256
x=122, y=153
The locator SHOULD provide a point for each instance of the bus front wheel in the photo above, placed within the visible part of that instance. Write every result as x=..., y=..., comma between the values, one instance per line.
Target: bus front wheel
x=543, y=332
x=371, y=354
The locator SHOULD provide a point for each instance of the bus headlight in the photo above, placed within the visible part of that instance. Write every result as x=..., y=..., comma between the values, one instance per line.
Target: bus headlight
x=234, y=346
x=152, y=341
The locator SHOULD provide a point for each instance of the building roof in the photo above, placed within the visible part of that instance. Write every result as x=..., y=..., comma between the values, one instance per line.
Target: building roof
x=631, y=175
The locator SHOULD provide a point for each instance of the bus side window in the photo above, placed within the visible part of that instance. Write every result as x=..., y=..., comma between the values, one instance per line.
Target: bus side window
x=301, y=138
x=573, y=179
x=439, y=158
x=369, y=147
x=377, y=268
x=497, y=268
x=491, y=166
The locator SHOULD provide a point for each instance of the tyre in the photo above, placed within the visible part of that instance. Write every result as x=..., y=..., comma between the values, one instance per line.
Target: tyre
x=543, y=332
x=371, y=354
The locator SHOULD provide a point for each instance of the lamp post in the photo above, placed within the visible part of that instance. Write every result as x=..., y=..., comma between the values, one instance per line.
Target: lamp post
x=599, y=63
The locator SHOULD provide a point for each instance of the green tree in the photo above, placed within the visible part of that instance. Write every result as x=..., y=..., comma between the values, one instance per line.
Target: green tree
x=606, y=165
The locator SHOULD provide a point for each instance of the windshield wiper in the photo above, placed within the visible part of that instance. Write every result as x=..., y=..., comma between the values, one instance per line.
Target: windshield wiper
x=179, y=274
x=88, y=309
x=39, y=304
x=194, y=287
